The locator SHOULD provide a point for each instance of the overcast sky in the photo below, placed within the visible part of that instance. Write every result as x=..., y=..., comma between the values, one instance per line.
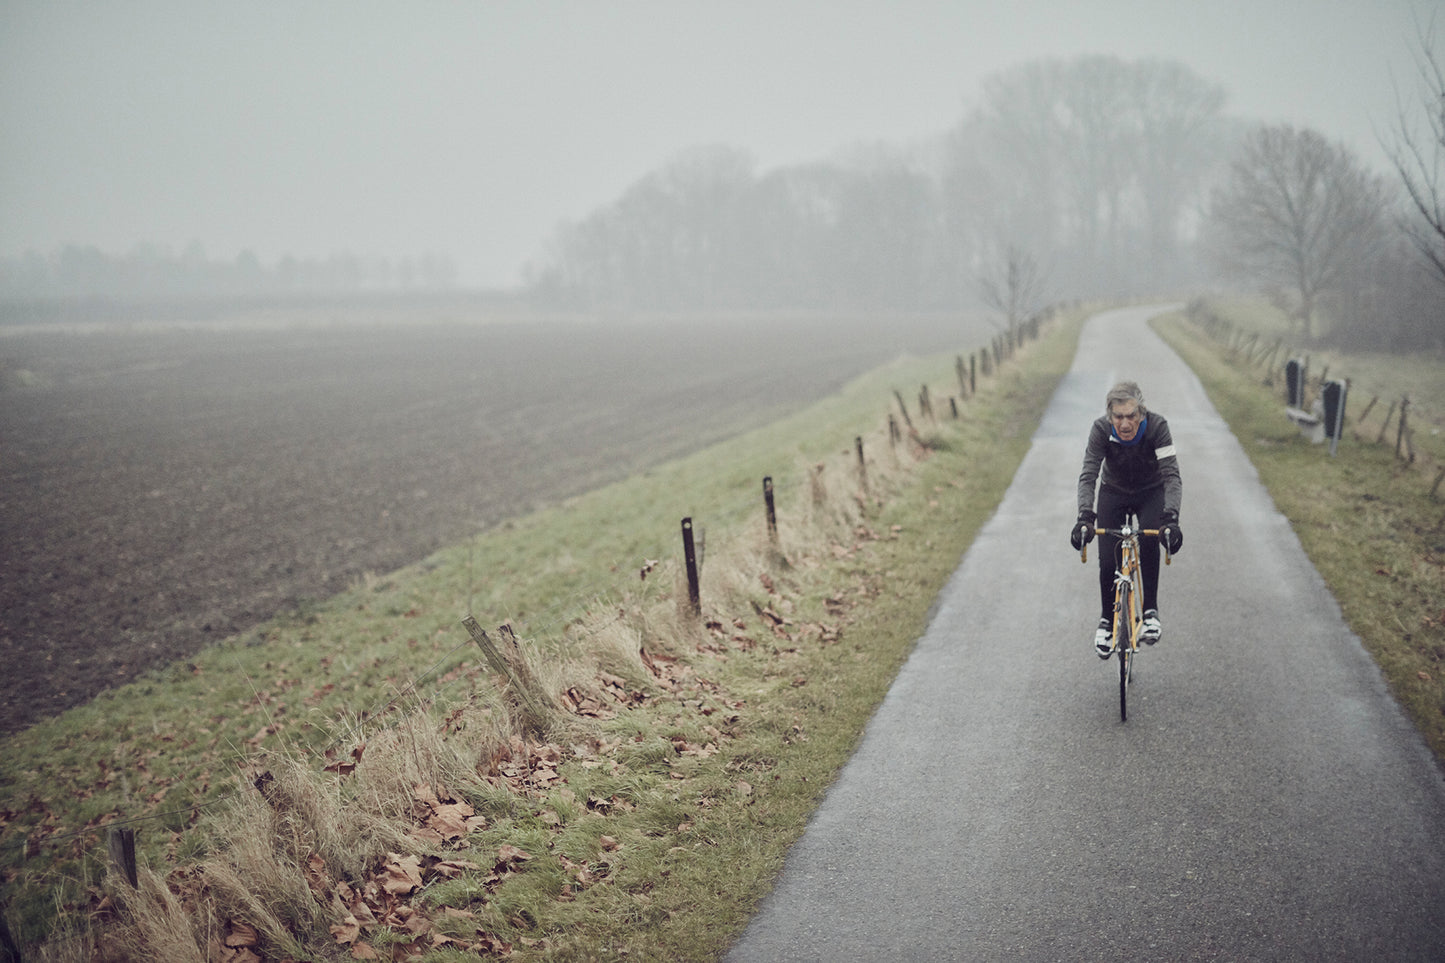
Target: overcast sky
x=472, y=128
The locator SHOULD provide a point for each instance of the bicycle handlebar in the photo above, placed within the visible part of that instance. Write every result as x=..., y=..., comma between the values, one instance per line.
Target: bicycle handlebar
x=1125, y=533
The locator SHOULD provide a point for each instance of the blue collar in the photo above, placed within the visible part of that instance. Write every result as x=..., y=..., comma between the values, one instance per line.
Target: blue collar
x=1138, y=435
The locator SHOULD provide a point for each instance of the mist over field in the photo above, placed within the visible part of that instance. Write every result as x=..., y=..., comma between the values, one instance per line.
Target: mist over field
x=288, y=294
x=785, y=155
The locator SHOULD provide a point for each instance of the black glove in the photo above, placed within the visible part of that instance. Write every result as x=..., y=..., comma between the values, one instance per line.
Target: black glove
x=1170, y=534
x=1083, y=532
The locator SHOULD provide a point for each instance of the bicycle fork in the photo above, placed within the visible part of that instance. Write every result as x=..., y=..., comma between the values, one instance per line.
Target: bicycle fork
x=1127, y=624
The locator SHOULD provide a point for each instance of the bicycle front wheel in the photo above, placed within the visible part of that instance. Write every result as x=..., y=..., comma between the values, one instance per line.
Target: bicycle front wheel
x=1124, y=644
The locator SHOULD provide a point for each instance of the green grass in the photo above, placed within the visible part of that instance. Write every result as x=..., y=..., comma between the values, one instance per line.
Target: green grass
x=653, y=831
x=1367, y=520
x=1385, y=377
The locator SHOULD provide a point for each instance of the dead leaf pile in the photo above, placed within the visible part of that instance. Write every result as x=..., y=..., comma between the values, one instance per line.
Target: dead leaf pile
x=443, y=820
x=384, y=902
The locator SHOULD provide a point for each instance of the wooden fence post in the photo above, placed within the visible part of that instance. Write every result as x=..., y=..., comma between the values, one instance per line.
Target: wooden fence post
x=9, y=949
x=1389, y=413
x=689, y=555
x=925, y=404
x=904, y=408
x=121, y=843
x=862, y=463
x=772, y=514
x=1400, y=433
x=522, y=686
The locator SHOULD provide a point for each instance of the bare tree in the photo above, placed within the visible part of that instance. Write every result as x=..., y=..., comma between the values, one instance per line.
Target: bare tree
x=1095, y=158
x=1419, y=155
x=1012, y=283
x=1179, y=120
x=1292, y=215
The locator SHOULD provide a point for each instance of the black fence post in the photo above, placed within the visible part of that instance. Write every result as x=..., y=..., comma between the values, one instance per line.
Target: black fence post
x=772, y=514
x=1294, y=383
x=689, y=554
x=121, y=843
x=1334, y=394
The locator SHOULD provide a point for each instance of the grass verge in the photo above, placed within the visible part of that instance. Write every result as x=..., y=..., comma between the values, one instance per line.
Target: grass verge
x=357, y=781
x=1368, y=520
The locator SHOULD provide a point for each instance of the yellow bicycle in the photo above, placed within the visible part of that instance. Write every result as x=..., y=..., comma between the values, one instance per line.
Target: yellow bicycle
x=1128, y=600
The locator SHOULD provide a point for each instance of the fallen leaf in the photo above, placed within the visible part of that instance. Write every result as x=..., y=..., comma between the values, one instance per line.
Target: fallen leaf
x=401, y=875
x=347, y=930
x=240, y=934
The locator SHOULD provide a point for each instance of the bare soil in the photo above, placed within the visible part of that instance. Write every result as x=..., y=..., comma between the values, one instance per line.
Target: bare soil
x=163, y=486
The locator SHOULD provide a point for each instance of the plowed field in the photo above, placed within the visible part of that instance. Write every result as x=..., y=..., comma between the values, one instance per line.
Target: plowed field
x=166, y=485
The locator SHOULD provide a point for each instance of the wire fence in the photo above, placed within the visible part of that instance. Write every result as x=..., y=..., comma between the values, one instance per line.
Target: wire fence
x=1387, y=416
x=649, y=575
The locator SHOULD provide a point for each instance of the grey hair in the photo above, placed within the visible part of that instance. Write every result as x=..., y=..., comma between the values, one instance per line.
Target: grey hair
x=1123, y=391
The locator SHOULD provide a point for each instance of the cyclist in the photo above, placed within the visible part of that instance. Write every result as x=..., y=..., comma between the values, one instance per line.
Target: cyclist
x=1140, y=474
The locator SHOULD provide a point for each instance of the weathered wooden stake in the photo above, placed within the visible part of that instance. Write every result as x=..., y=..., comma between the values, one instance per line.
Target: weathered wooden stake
x=1389, y=413
x=121, y=843
x=953, y=406
x=772, y=515
x=862, y=464
x=818, y=490
x=1360, y=418
x=522, y=686
x=972, y=373
x=893, y=433
x=689, y=555
x=9, y=949
x=904, y=408
x=1400, y=433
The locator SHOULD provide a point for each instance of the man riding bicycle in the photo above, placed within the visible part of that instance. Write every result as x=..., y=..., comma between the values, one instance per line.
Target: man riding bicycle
x=1140, y=474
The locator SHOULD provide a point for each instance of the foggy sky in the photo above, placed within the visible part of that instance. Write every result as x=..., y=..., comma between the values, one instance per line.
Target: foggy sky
x=471, y=129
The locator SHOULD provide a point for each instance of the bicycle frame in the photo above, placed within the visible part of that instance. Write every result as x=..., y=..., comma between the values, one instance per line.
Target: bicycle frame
x=1128, y=599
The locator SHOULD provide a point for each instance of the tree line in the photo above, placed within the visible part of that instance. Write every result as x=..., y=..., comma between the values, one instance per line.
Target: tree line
x=1090, y=167
x=1093, y=176
x=148, y=270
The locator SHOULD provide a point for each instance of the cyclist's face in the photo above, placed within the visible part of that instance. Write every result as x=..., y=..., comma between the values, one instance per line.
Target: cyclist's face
x=1126, y=417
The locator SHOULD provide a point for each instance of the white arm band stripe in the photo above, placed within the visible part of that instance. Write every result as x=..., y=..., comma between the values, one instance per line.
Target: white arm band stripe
x=1166, y=452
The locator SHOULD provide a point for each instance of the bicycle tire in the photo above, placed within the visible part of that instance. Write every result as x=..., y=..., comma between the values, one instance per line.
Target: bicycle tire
x=1125, y=646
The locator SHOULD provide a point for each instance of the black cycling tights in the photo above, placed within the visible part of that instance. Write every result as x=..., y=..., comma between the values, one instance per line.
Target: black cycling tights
x=1113, y=507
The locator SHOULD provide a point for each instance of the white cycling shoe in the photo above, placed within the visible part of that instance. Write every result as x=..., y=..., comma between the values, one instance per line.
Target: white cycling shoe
x=1153, y=629
x=1104, y=639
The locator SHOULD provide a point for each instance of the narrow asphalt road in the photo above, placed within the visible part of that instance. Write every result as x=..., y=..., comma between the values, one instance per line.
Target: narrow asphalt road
x=1266, y=800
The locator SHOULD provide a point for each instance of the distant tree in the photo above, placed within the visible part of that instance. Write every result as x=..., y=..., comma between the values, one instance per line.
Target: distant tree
x=789, y=224
x=1179, y=115
x=1095, y=160
x=667, y=241
x=1419, y=154
x=1292, y=215
x=1013, y=283
x=885, y=226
